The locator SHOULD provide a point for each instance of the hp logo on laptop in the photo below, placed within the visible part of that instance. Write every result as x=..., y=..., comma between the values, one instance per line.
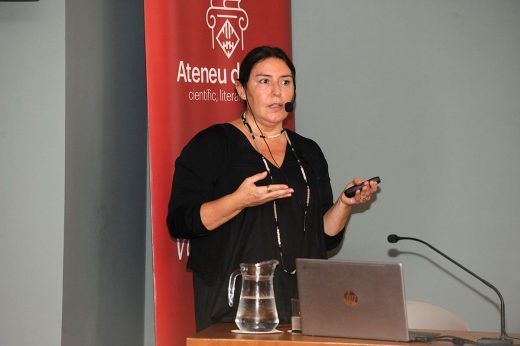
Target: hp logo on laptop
x=350, y=298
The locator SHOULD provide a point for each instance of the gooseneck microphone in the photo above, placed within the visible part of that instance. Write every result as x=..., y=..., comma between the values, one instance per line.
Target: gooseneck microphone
x=289, y=107
x=504, y=338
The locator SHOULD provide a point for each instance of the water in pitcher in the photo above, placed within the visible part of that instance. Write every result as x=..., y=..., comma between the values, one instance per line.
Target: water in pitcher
x=257, y=314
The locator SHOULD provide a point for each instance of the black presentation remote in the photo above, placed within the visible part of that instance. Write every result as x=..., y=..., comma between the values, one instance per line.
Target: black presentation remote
x=351, y=191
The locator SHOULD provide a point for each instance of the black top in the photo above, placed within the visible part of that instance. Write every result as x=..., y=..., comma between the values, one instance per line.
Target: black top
x=213, y=164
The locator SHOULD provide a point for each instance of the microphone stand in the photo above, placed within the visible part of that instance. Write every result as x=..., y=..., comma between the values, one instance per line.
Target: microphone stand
x=504, y=339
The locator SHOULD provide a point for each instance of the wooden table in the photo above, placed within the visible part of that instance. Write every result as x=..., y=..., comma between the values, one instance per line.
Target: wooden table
x=221, y=334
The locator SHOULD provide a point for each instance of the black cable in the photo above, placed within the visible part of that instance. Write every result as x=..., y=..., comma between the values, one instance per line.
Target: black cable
x=262, y=133
x=455, y=340
x=450, y=338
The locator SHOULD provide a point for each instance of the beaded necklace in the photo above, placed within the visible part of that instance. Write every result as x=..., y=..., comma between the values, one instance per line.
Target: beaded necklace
x=271, y=136
x=268, y=169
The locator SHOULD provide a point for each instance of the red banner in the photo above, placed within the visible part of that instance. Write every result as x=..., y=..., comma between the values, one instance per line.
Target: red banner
x=193, y=53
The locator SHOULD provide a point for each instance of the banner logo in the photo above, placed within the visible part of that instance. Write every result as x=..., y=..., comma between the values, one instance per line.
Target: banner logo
x=227, y=22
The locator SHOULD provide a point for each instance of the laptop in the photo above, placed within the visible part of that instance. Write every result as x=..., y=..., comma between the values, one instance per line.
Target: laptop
x=361, y=300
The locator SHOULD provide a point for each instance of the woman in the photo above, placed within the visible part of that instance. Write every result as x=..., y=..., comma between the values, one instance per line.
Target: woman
x=250, y=190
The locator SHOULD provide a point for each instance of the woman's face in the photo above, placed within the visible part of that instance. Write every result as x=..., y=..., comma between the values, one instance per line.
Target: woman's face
x=269, y=87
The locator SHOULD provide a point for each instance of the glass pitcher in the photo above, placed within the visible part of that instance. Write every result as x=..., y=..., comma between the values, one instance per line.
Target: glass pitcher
x=256, y=307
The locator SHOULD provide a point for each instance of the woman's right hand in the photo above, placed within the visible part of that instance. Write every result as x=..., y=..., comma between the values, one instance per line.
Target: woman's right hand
x=249, y=194
x=215, y=213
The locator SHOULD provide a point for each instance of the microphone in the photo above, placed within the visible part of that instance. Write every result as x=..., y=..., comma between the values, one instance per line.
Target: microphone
x=289, y=107
x=504, y=339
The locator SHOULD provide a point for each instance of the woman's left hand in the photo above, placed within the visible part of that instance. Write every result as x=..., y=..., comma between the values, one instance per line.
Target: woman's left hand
x=363, y=195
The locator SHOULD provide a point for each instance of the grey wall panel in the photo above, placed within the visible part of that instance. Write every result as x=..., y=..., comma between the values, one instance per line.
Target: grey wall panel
x=423, y=93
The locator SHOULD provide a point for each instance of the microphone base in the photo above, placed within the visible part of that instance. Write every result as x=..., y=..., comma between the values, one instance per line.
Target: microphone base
x=494, y=342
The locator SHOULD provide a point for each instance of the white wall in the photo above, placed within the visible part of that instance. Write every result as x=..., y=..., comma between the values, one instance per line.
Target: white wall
x=72, y=173
x=32, y=168
x=424, y=93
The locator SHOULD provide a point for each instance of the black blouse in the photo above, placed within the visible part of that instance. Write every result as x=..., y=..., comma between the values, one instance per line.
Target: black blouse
x=213, y=164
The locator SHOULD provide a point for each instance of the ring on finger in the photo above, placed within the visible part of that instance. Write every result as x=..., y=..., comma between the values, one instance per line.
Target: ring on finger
x=268, y=188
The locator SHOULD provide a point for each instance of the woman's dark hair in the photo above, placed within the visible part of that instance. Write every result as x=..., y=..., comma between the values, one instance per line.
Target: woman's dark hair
x=258, y=54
